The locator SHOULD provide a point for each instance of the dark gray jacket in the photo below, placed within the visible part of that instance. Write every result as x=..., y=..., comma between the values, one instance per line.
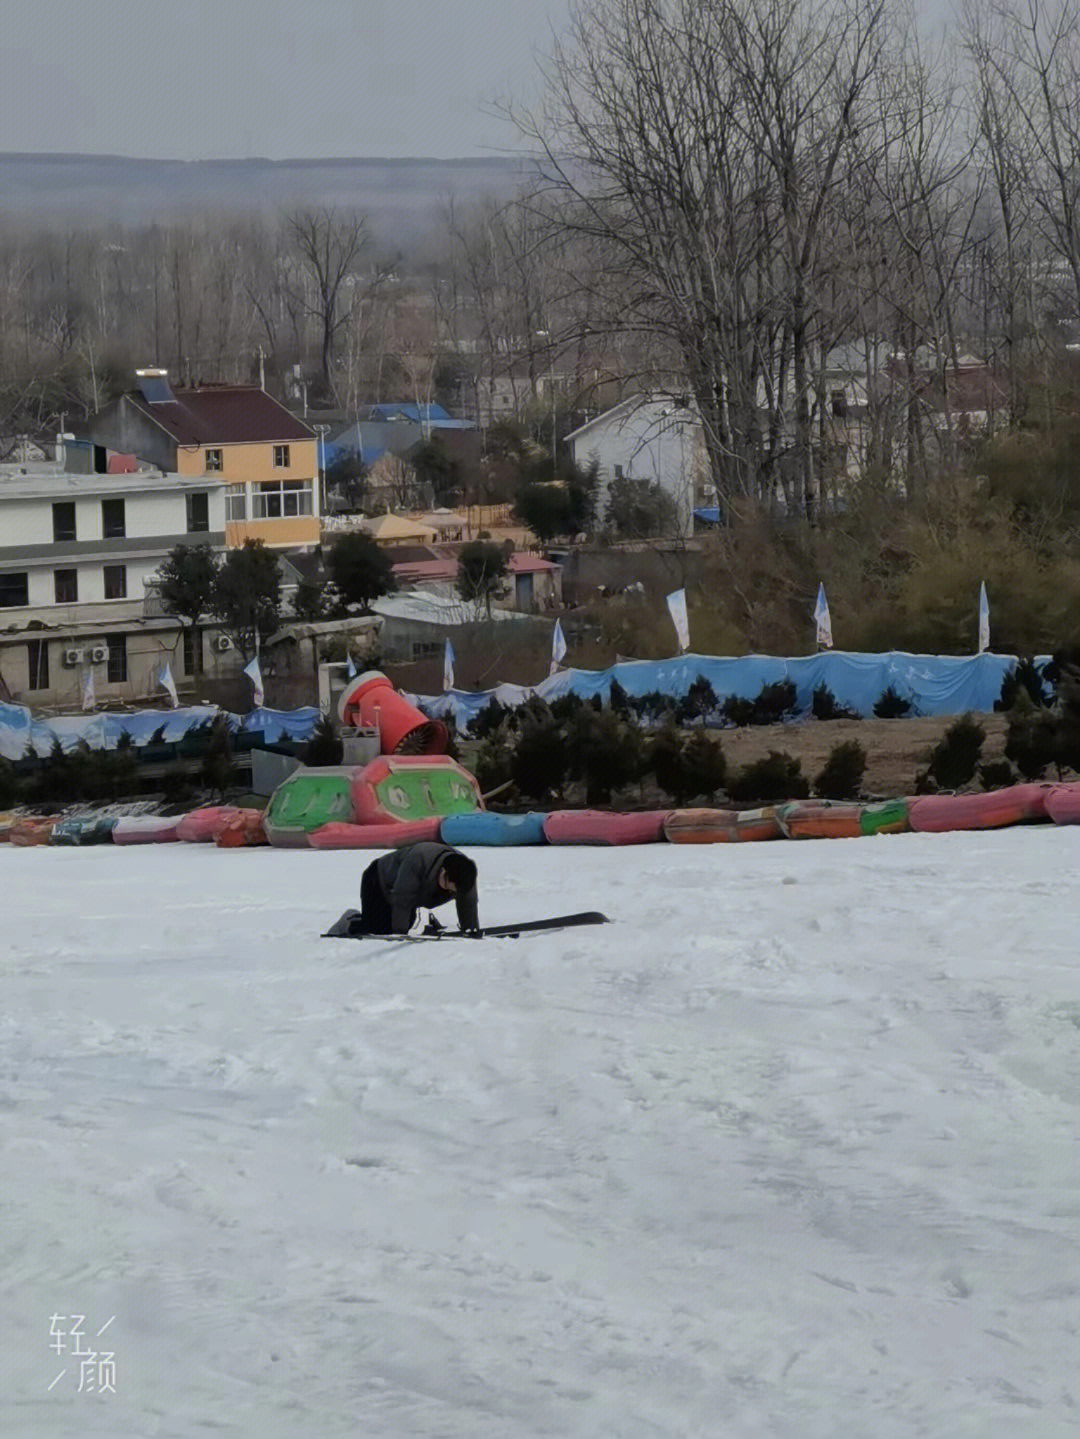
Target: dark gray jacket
x=409, y=878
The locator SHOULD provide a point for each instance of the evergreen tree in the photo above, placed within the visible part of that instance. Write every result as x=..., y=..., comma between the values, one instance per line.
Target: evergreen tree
x=481, y=570
x=186, y=583
x=217, y=763
x=706, y=764
x=247, y=595
x=540, y=759
x=360, y=569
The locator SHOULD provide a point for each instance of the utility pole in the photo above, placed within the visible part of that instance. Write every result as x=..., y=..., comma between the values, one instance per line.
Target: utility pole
x=320, y=452
x=546, y=335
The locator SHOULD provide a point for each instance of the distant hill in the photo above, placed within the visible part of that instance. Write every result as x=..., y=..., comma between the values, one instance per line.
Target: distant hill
x=47, y=191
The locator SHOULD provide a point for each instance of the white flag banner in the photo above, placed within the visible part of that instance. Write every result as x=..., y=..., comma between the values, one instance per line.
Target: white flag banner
x=558, y=647
x=350, y=667
x=448, y=666
x=984, y=620
x=166, y=681
x=88, y=700
x=822, y=620
x=254, y=674
x=676, y=603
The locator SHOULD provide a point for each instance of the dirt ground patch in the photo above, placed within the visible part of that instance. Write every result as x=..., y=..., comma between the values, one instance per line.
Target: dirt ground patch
x=896, y=749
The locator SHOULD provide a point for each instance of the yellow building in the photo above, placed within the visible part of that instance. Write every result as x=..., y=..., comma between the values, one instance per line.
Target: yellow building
x=238, y=433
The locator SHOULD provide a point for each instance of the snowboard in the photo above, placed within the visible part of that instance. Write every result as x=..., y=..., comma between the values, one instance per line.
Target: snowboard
x=346, y=927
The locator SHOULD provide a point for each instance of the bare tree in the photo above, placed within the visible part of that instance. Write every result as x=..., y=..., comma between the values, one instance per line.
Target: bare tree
x=804, y=74
x=917, y=219
x=329, y=245
x=700, y=144
x=1030, y=54
x=1010, y=269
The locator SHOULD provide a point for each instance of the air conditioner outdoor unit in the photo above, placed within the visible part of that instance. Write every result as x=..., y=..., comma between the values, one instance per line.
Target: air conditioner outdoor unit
x=222, y=643
x=99, y=654
x=73, y=658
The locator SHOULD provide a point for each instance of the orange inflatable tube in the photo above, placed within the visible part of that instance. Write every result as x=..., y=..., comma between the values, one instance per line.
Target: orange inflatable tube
x=721, y=826
x=813, y=819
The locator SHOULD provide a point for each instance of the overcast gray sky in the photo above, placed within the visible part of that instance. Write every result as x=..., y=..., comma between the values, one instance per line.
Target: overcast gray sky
x=280, y=79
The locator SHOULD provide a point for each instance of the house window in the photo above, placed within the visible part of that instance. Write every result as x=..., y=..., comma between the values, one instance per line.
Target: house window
x=423, y=650
x=63, y=520
x=117, y=670
x=281, y=457
x=198, y=514
x=236, y=502
x=14, y=590
x=275, y=499
x=838, y=400
x=66, y=586
x=191, y=652
x=214, y=462
x=116, y=582
x=619, y=474
x=37, y=654
x=112, y=520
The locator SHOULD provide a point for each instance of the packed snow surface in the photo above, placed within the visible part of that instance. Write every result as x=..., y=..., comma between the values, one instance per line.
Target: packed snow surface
x=790, y=1148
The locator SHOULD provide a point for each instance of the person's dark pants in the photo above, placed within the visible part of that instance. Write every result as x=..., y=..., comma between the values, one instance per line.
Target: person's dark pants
x=376, y=916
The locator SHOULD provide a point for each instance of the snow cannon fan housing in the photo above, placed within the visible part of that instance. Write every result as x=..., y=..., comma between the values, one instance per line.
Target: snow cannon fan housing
x=372, y=701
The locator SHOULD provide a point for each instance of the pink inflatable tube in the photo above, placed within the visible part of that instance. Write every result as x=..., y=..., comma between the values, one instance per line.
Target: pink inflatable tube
x=1063, y=803
x=938, y=813
x=198, y=826
x=374, y=836
x=592, y=826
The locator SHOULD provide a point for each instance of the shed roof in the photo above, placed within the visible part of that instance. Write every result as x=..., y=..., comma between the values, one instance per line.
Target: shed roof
x=223, y=415
x=423, y=607
x=388, y=529
x=447, y=568
x=407, y=410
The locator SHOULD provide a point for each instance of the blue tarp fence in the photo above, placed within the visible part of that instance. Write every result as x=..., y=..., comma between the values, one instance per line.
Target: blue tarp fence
x=933, y=684
x=22, y=732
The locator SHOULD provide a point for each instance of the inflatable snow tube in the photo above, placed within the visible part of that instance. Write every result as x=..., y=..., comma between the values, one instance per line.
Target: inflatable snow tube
x=483, y=827
x=592, y=826
x=86, y=829
x=888, y=817
x=373, y=836
x=1063, y=803
x=241, y=828
x=146, y=829
x=818, y=819
x=721, y=826
x=370, y=700
x=940, y=813
x=395, y=787
x=306, y=800
x=31, y=829
x=198, y=826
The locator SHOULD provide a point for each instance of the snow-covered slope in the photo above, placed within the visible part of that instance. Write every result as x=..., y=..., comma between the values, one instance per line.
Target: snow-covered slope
x=791, y=1148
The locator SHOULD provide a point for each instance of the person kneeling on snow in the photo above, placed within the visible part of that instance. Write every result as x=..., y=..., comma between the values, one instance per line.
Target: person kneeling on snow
x=417, y=876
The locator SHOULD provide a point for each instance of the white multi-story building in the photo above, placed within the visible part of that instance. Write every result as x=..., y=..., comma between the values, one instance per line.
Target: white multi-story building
x=77, y=555
x=651, y=438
